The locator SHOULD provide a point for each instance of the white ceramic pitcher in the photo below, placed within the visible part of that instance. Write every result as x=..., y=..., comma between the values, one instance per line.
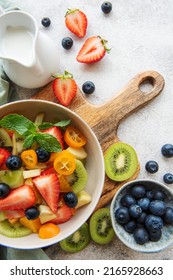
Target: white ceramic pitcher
x=28, y=55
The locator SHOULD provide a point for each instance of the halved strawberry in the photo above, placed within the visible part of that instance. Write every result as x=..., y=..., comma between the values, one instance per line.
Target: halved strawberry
x=57, y=133
x=93, y=50
x=18, y=199
x=76, y=21
x=64, y=88
x=49, y=170
x=4, y=154
x=49, y=187
x=64, y=213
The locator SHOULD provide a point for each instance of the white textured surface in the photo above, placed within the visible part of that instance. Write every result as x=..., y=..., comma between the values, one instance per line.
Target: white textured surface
x=140, y=34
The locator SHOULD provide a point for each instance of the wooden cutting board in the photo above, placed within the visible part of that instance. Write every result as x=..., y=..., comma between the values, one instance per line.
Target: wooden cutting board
x=105, y=119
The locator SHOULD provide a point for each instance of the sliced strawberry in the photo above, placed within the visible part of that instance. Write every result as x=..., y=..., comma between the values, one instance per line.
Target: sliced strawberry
x=64, y=213
x=4, y=154
x=14, y=214
x=57, y=133
x=48, y=171
x=76, y=21
x=93, y=50
x=64, y=88
x=49, y=187
x=18, y=199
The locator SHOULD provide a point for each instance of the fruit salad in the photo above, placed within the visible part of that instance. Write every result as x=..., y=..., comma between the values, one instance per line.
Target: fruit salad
x=42, y=175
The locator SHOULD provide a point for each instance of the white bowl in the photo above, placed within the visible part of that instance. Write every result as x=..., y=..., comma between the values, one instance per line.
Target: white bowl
x=94, y=166
x=127, y=238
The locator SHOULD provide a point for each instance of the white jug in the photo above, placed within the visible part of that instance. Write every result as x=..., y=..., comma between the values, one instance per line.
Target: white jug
x=29, y=56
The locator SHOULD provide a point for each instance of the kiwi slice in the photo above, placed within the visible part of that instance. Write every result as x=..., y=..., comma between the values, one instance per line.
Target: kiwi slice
x=5, y=140
x=14, y=179
x=79, y=177
x=121, y=161
x=13, y=230
x=77, y=241
x=100, y=226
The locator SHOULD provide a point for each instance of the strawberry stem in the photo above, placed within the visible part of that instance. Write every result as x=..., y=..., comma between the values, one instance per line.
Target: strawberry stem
x=66, y=75
x=70, y=11
x=104, y=42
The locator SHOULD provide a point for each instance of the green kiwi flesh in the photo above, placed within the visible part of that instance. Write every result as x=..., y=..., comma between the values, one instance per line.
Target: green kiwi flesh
x=13, y=230
x=100, y=226
x=79, y=178
x=77, y=241
x=14, y=179
x=121, y=161
x=5, y=140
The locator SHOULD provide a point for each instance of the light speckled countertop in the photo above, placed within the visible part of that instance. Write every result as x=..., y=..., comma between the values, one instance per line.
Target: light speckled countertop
x=140, y=34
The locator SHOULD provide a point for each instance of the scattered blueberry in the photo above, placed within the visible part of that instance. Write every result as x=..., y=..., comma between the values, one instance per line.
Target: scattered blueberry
x=149, y=194
x=168, y=216
x=141, y=235
x=32, y=213
x=122, y=215
x=13, y=162
x=159, y=195
x=42, y=155
x=88, y=87
x=70, y=199
x=46, y=21
x=144, y=203
x=167, y=150
x=138, y=191
x=67, y=43
x=4, y=190
x=157, y=207
x=153, y=223
x=155, y=235
x=106, y=7
x=168, y=178
x=135, y=210
x=130, y=226
x=127, y=200
x=152, y=166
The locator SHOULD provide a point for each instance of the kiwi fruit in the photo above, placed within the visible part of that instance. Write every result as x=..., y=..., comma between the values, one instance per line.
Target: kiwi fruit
x=77, y=241
x=121, y=161
x=14, y=179
x=79, y=177
x=100, y=226
x=13, y=230
x=5, y=140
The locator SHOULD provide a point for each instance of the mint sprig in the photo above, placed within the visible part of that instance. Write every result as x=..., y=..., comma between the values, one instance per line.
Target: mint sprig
x=46, y=125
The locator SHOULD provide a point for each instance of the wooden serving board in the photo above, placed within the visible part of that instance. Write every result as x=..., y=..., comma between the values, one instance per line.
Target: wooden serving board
x=105, y=119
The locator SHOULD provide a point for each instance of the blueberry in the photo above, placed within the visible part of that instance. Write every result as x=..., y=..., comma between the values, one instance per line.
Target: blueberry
x=152, y=166
x=135, y=210
x=122, y=215
x=88, y=87
x=155, y=235
x=106, y=7
x=127, y=200
x=13, y=162
x=46, y=21
x=42, y=155
x=144, y=203
x=141, y=235
x=157, y=207
x=168, y=216
x=159, y=195
x=149, y=194
x=138, y=191
x=67, y=43
x=32, y=213
x=168, y=178
x=130, y=226
x=70, y=199
x=141, y=219
x=4, y=190
x=153, y=223
x=167, y=150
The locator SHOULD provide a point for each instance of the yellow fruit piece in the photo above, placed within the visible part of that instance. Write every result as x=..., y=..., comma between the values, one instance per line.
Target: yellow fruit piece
x=12, y=221
x=34, y=225
x=83, y=198
x=48, y=230
x=45, y=214
x=64, y=185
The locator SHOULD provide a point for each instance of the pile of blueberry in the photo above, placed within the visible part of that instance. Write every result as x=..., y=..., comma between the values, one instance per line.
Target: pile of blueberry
x=143, y=212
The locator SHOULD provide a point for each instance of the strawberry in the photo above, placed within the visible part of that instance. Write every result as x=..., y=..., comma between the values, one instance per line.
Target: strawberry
x=64, y=88
x=64, y=213
x=76, y=21
x=93, y=50
x=4, y=154
x=18, y=199
x=57, y=133
x=49, y=170
x=49, y=187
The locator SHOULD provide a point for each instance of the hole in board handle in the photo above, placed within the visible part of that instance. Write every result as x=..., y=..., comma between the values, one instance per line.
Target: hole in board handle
x=147, y=85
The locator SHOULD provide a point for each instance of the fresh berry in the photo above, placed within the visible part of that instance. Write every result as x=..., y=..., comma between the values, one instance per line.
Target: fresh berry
x=155, y=235
x=135, y=210
x=76, y=21
x=67, y=43
x=159, y=195
x=144, y=203
x=106, y=7
x=122, y=215
x=49, y=170
x=168, y=178
x=64, y=88
x=49, y=187
x=152, y=166
x=64, y=214
x=142, y=217
x=130, y=226
x=4, y=190
x=88, y=87
x=32, y=213
x=14, y=162
x=168, y=216
x=157, y=207
x=70, y=199
x=4, y=154
x=167, y=150
x=42, y=155
x=46, y=22
x=93, y=50
x=57, y=133
x=18, y=199
x=141, y=235
x=138, y=191
x=127, y=200
x=153, y=223
x=149, y=194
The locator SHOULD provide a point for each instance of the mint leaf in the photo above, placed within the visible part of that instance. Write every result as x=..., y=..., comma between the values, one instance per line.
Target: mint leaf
x=29, y=140
x=46, y=125
x=48, y=142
